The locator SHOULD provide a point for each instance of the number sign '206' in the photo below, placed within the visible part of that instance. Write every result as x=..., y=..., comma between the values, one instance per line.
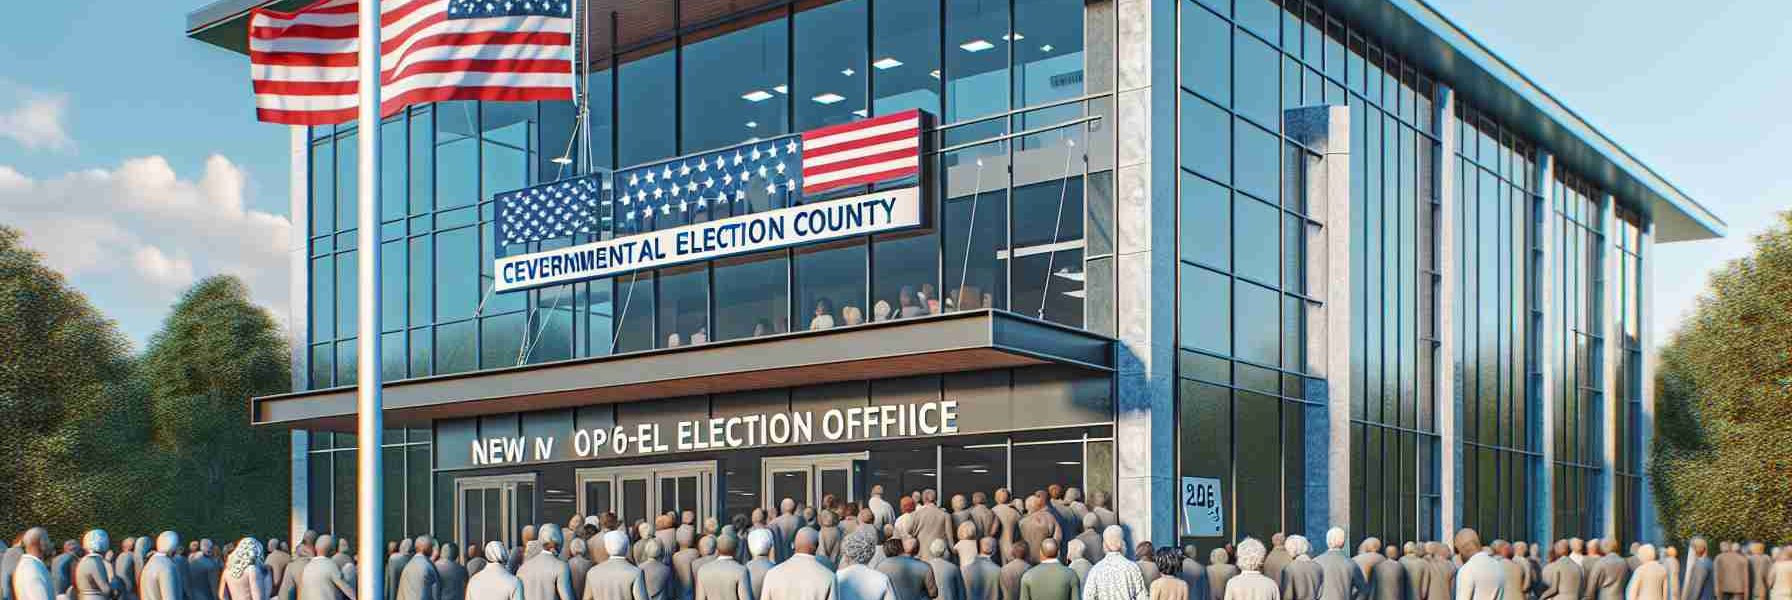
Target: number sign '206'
x=1202, y=515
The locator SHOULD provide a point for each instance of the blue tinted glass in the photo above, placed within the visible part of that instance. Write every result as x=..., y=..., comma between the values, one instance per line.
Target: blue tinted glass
x=323, y=366
x=1206, y=309
x=422, y=280
x=1048, y=50
x=1255, y=227
x=831, y=64
x=346, y=369
x=830, y=283
x=683, y=309
x=1255, y=155
x=323, y=298
x=731, y=85
x=645, y=108
x=905, y=56
x=906, y=281
x=1257, y=324
x=1206, y=232
x=347, y=295
x=422, y=167
x=348, y=195
x=1206, y=54
x=752, y=296
x=1256, y=94
x=393, y=265
x=393, y=151
x=976, y=228
x=457, y=266
x=1260, y=16
x=977, y=44
x=598, y=86
x=633, y=298
x=1206, y=138
x=323, y=188
x=501, y=340
x=457, y=173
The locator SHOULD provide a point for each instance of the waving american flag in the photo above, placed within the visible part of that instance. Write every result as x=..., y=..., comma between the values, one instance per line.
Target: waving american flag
x=554, y=210
x=304, y=67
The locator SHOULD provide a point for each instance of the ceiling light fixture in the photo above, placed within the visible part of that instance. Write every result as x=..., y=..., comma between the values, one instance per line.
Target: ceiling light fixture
x=562, y=160
x=862, y=113
x=1013, y=37
x=828, y=98
x=935, y=73
x=1045, y=48
x=780, y=88
x=847, y=72
x=886, y=63
x=756, y=96
x=752, y=124
x=977, y=45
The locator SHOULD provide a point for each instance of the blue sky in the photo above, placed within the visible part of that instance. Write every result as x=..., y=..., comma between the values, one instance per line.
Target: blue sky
x=131, y=156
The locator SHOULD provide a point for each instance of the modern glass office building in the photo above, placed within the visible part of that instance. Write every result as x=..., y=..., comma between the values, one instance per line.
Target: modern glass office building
x=1245, y=266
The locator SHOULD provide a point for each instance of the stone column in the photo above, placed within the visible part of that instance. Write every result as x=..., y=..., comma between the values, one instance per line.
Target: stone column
x=1612, y=348
x=297, y=319
x=1447, y=392
x=1548, y=350
x=1145, y=427
x=1326, y=129
x=1651, y=522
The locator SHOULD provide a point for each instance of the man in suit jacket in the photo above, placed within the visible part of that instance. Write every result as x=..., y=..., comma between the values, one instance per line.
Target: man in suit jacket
x=1481, y=576
x=323, y=579
x=1014, y=570
x=931, y=522
x=31, y=577
x=1277, y=558
x=1007, y=527
x=882, y=512
x=1731, y=573
x=453, y=575
x=1078, y=562
x=126, y=565
x=1562, y=579
x=1343, y=578
x=1039, y=525
x=982, y=515
x=1388, y=581
x=545, y=576
x=1605, y=580
x=1760, y=567
x=661, y=583
x=1220, y=572
x=724, y=578
x=1650, y=580
x=1442, y=581
x=578, y=563
x=395, y=563
x=615, y=578
x=62, y=567
x=419, y=580
x=1418, y=573
x=1368, y=554
x=759, y=543
x=161, y=580
x=684, y=559
x=800, y=577
x=948, y=580
x=786, y=526
x=1050, y=579
x=910, y=578
x=1301, y=577
x=1699, y=583
x=982, y=577
x=493, y=581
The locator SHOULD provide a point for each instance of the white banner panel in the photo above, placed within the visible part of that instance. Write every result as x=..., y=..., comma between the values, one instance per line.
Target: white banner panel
x=810, y=223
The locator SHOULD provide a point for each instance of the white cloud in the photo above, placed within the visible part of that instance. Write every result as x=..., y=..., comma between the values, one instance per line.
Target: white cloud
x=33, y=119
x=142, y=234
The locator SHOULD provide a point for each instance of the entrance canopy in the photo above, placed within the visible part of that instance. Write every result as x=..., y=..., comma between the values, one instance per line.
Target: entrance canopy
x=948, y=343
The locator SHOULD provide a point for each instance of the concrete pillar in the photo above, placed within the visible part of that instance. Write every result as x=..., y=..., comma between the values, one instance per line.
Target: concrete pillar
x=1447, y=392
x=1549, y=350
x=1612, y=349
x=1327, y=432
x=297, y=319
x=1646, y=511
x=1145, y=184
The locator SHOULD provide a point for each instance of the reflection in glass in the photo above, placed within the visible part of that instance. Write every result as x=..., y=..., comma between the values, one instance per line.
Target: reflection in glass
x=830, y=284
x=1037, y=466
x=905, y=62
x=975, y=226
x=977, y=47
x=634, y=301
x=684, y=306
x=731, y=83
x=830, y=64
x=1048, y=250
x=645, y=107
x=1048, y=50
x=973, y=468
x=752, y=296
x=905, y=283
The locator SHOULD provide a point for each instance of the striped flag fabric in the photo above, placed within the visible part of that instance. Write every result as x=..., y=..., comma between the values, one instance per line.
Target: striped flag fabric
x=304, y=67
x=862, y=152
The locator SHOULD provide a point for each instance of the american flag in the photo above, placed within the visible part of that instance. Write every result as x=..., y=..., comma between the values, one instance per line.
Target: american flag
x=548, y=211
x=734, y=180
x=862, y=152
x=303, y=62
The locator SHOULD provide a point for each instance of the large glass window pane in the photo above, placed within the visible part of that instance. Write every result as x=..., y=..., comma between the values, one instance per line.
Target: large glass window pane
x=1260, y=16
x=501, y=340
x=734, y=83
x=1258, y=490
x=393, y=150
x=831, y=64
x=830, y=282
x=393, y=283
x=1257, y=325
x=323, y=366
x=420, y=352
x=422, y=171
x=633, y=299
x=1257, y=95
x=323, y=298
x=752, y=296
x=421, y=286
x=972, y=468
x=1206, y=230
x=683, y=306
x=1206, y=139
x=1206, y=309
x=1048, y=251
x=598, y=85
x=1256, y=225
x=905, y=48
x=975, y=226
x=905, y=283
x=1255, y=156
x=343, y=486
x=1206, y=53
x=348, y=195
x=1048, y=50
x=323, y=187
x=456, y=348
x=600, y=312
x=977, y=44
x=508, y=144
x=551, y=328
x=457, y=154
x=457, y=285
x=348, y=296
x=1038, y=466
x=645, y=106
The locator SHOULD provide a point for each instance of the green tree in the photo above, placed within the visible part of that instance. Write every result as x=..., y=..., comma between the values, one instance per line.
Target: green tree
x=214, y=352
x=71, y=415
x=1722, y=458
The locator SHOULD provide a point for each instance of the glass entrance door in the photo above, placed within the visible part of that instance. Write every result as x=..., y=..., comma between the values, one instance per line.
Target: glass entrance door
x=494, y=508
x=810, y=479
x=640, y=492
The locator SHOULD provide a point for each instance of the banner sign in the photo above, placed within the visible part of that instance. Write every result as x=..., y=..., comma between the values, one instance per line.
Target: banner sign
x=855, y=423
x=810, y=223
x=1202, y=515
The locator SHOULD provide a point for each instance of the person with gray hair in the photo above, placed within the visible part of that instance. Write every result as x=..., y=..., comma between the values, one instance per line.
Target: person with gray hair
x=723, y=577
x=1606, y=576
x=1277, y=558
x=125, y=567
x=496, y=582
x=856, y=580
x=1650, y=580
x=1418, y=573
x=800, y=577
x=683, y=559
x=1368, y=554
x=982, y=576
x=1343, y=578
x=759, y=544
x=93, y=578
x=545, y=575
x=31, y=577
x=661, y=583
x=1481, y=576
x=161, y=579
x=1115, y=577
x=615, y=578
x=1698, y=584
x=395, y=564
x=1007, y=526
x=1079, y=558
x=931, y=522
x=1091, y=539
x=1302, y=578
x=1050, y=579
x=1220, y=573
x=205, y=572
x=451, y=573
x=1562, y=578
x=578, y=562
x=1193, y=573
x=323, y=579
x=786, y=526
x=419, y=579
x=1250, y=583
x=706, y=550
x=948, y=580
x=909, y=577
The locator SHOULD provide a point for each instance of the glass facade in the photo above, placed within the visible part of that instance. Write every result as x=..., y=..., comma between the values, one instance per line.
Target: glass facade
x=1578, y=270
x=406, y=456
x=1632, y=455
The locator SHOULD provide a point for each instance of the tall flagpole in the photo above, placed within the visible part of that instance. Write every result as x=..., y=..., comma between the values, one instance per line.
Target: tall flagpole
x=368, y=493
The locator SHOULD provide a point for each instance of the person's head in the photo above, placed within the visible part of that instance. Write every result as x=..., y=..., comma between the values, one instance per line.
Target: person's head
x=1576, y=545
x=910, y=546
x=1435, y=549
x=401, y=546
x=615, y=544
x=1700, y=547
x=127, y=544
x=967, y=531
x=1142, y=550
x=1296, y=545
x=867, y=517
x=1169, y=561
x=959, y=503
x=877, y=490
x=325, y=545
x=1099, y=499
x=1501, y=548
x=650, y=548
x=809, y=514
x=449, y=552
x=1055, y=491
x=1645, y=553
x=723, y=545
x=686, y=537
x=1757, y=548
x=552, y=537
x=858, y=548
x=1250, y=554
x=1218, y=556
x=1335, y=538
x=823, y=306
x=167, y=542
x=36, y=542
x=1608, y=545
x=786, y=506
x=1113, y=539
x=528, y=534
x=1048, y=549
x=1467, y=542
x=96, y=541
x=893, y=547
x=496, y=553
x=906, y=505
x=1090, y=521
x=1278, y=540
x=393, y=547
x=1369, y=545
x=1074, y=548
x=645, y=529
x=1001, y=495
x=246, y=554
x=1019, y=550
x=759, y=542
x=1671, y=551
x=1073, y=494
x=426, y=545
x=1035, y=503
x=936, y=549
x=979, y=499
x=987, y=547
x=707, y=545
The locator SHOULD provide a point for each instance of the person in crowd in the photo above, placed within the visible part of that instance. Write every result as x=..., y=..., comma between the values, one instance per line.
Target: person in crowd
x=824, y=315
x=1670, y=558
x=706, y=549
x=967, y=546
x=344, y=554
x=1387, y=579
x=1562, y=579
x=496, y=582
x=785, y=527
x=909, y=577
x=1780, y=577
x=1250, y=583
x=931, y=522
x=62, y=567
x=1368, y=554
x=1699, y=583
x=1115, y=577
x=1481, y=576
x=1342, y=579
x=881, y=509
x=1418, y=573
x=759, y=544
x=578, y=562
x=980, y=514
x=723, y=577
x=1515, y=573
x=982, y=577
x=1098, y=504
x=661, y=583
x=855, y=580
x=1079, y=558
x=1147, y=559
x=800, y=577
x=93, y=579
x=245, y=576
x=1169, y=584
x=1014, y=570
x=614, y=578
x=1277, y=559
x=1007, y=524
x=9, y=562
x=395, y=563
x=852, y=315
x=125, y=567
x=419, y=579
x=1301, y=577
x=323, y=578
x=1650, y=579
x=1220, y=571
x=1051, y=580
x=1191, y=571
x=476, y=560
x=1606, y=576
x=31, y=577
x=904, y=526
x=829, y=535
x=1443, y=571
x=1759, y=567
x=161, y=579
x=276, y=562
x=453, y=575
x=1631, y=559
x=1577, y=552
x=948, y=580
x=684, y=559
x=303, y=554
x=1039, y=525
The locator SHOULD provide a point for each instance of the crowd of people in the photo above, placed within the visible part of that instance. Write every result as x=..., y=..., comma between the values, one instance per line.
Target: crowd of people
x=1049, y=545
